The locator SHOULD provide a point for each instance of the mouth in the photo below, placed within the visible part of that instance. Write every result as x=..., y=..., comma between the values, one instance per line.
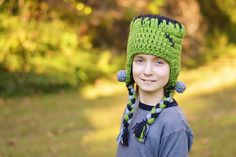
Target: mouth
x=148, y=81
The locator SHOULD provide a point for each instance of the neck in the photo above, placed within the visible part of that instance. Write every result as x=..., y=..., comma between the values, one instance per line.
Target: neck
x=151, y=98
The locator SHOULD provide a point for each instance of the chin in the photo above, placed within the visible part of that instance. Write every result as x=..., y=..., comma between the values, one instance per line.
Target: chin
x=150, y=88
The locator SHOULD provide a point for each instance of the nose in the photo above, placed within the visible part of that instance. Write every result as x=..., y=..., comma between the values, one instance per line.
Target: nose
x=148, y=69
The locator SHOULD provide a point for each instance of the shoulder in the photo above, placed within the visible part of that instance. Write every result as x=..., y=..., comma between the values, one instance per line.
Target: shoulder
x=173, y=120
x=171, y=129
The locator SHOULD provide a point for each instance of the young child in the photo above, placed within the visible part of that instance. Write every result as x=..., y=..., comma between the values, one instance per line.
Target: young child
x=153, y=124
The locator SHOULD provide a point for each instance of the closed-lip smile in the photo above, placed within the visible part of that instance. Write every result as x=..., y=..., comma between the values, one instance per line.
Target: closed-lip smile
x=148, y=80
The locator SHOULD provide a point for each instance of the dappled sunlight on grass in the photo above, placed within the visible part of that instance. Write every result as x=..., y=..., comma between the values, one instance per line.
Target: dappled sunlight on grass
x=101, y=135
x=102, y=140
x=212, y=117
x=105, y=117
x=42, y=124
x=102, y=88
x=217, y=75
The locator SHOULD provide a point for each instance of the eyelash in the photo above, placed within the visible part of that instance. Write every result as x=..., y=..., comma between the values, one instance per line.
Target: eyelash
x=141, y=60
x=159, y=62
x=138, y=60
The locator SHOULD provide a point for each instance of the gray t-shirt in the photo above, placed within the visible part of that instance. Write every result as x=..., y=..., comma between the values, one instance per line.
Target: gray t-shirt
x=169, y=135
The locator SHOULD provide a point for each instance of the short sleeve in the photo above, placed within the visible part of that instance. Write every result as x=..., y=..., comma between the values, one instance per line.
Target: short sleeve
x=177, y=144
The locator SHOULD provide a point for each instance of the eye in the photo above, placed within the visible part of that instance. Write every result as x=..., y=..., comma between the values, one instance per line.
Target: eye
x=160, y=61
x=138, y=60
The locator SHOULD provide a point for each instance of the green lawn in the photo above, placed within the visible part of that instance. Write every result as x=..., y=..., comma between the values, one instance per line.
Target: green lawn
x=77, y=124
x=59, y=125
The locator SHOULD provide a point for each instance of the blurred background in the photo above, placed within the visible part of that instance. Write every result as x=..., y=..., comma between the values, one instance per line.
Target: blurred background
x=58, y=63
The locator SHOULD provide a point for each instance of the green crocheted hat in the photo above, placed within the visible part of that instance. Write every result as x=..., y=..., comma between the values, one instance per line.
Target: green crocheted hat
x=156, y=35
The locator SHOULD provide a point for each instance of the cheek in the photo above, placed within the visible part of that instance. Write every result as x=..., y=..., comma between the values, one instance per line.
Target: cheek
x=167, y=74
x=163, y=72
x=136, y=70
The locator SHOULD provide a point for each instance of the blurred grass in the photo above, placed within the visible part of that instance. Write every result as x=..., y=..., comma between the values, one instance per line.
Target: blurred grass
x=86, y=122
x=213, y=118
x=58, y=125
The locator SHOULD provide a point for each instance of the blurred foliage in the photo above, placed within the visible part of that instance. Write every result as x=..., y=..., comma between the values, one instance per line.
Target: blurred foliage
x=47, y=44
x=221, y=32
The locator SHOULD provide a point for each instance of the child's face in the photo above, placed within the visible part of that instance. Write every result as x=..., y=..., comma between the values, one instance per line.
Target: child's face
x=150, y=73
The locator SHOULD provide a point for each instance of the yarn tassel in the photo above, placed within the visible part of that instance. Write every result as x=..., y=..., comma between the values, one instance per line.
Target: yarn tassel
x=123, y=137
x=140, y=130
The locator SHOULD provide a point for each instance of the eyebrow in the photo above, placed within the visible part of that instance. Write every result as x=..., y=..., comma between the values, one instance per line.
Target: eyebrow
x=155, y=57
x=139, y=57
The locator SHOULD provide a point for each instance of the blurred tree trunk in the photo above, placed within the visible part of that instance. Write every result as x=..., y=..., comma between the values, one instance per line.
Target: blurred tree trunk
x=21, y=3
x=188, y=12
x=1, y=1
